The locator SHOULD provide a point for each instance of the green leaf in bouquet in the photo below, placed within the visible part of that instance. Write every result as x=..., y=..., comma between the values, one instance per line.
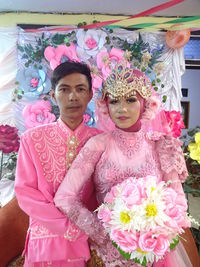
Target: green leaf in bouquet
x=144, y=262
x=174, y=243
x=126, y=255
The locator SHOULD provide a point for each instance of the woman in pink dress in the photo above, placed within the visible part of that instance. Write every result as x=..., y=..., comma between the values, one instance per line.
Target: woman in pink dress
x=130, y=150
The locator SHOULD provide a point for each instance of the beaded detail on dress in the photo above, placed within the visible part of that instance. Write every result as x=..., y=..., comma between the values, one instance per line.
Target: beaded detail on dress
x=129, y=143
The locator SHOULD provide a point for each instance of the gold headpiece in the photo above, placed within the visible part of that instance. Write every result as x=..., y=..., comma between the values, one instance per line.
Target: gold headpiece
x=124, y=81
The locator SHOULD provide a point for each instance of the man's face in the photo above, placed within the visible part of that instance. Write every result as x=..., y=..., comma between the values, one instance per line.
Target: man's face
x=72, y=96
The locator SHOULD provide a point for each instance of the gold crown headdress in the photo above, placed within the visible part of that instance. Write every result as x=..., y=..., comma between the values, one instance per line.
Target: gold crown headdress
x=124, y=81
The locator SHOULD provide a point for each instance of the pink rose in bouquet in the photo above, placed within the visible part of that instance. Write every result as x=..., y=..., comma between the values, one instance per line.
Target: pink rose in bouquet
x=127, y=241
x=143, y=218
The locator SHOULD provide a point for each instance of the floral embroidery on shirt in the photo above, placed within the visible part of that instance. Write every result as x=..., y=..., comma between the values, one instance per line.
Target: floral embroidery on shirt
x=39, y=231
x=51, y=150
x=72, y=233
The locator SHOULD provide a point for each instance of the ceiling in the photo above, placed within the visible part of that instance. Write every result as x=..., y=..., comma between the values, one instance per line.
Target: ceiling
x=117, y=7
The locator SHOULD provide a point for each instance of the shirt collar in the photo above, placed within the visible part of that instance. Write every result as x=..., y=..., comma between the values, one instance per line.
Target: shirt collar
x=66, y=130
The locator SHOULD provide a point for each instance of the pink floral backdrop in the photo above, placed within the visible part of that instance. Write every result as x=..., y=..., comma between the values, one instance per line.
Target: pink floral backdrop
x=42, y=51
x=28, y=58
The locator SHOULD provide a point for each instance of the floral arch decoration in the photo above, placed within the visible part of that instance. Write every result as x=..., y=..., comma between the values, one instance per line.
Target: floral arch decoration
x=41, y=51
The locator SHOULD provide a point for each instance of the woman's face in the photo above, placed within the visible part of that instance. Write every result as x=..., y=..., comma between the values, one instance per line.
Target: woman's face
x=124, y=111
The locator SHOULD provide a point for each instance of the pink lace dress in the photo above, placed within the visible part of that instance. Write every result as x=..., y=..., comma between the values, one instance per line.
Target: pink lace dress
x=112, y=158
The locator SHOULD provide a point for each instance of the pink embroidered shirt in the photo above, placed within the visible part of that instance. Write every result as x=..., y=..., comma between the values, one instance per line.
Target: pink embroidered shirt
x=113, y=157
x=46, y=153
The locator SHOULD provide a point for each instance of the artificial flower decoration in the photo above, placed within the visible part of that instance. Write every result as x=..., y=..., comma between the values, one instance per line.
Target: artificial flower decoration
x=175, y=122
x=9, y=142
x=143, y=217
x=107, y=60
x=96, y=82
x=38, y=113
x=33, y=82
x=88, y=117
x=96, y=79
x=9, y=139
x=177, y=38
x=158, y=68
x=60, y=54
x=146, y=58
x=194, y=148
x=152, y=106
x=90, y=43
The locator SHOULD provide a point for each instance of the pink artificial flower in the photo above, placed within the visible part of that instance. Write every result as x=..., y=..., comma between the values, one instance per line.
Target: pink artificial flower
x=131, y=194
x=169, y=195
x=34, y=82
x=152, y=106
x=86, y=118
x=9, y=139
x=96, y=82
x=55, y=55
x=175, y=212
x=105, y=60
x=38, y=113
x=147, y=242
x=175, y=122
x=104, y=214
x=126, y=240
x=110, y=196
x=91, y=43
x=162, y=245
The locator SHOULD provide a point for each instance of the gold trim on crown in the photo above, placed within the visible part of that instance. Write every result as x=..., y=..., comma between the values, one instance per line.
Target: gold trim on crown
x=123, y=82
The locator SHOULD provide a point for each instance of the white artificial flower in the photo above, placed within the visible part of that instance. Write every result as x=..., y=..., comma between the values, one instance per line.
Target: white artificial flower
x=146, y=58
x=90, y=43
x=139, y=254
x=154, y=213
x=158, y=68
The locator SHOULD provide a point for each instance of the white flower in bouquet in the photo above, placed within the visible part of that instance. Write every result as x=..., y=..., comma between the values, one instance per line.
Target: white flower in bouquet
x=143, y=218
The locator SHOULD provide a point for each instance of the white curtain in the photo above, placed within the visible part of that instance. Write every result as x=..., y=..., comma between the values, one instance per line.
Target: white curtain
x=8, y=71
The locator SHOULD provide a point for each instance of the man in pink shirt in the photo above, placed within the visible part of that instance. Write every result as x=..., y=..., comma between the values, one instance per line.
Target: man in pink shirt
x=46, y=153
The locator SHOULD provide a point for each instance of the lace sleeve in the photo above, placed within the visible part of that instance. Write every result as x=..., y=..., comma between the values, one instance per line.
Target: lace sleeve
x=68, y=196
x=171, y=156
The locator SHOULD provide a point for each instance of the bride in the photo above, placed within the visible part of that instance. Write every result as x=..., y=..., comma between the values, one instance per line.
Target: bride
x=130, y=150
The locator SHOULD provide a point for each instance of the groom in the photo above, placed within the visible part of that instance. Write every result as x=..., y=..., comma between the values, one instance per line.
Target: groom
x=45, y=155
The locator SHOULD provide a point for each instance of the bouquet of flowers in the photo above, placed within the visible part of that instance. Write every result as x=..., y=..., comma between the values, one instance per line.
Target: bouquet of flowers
x=143, y=218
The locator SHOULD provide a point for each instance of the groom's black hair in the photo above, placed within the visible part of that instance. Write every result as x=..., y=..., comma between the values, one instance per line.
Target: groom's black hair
x=68, y=68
